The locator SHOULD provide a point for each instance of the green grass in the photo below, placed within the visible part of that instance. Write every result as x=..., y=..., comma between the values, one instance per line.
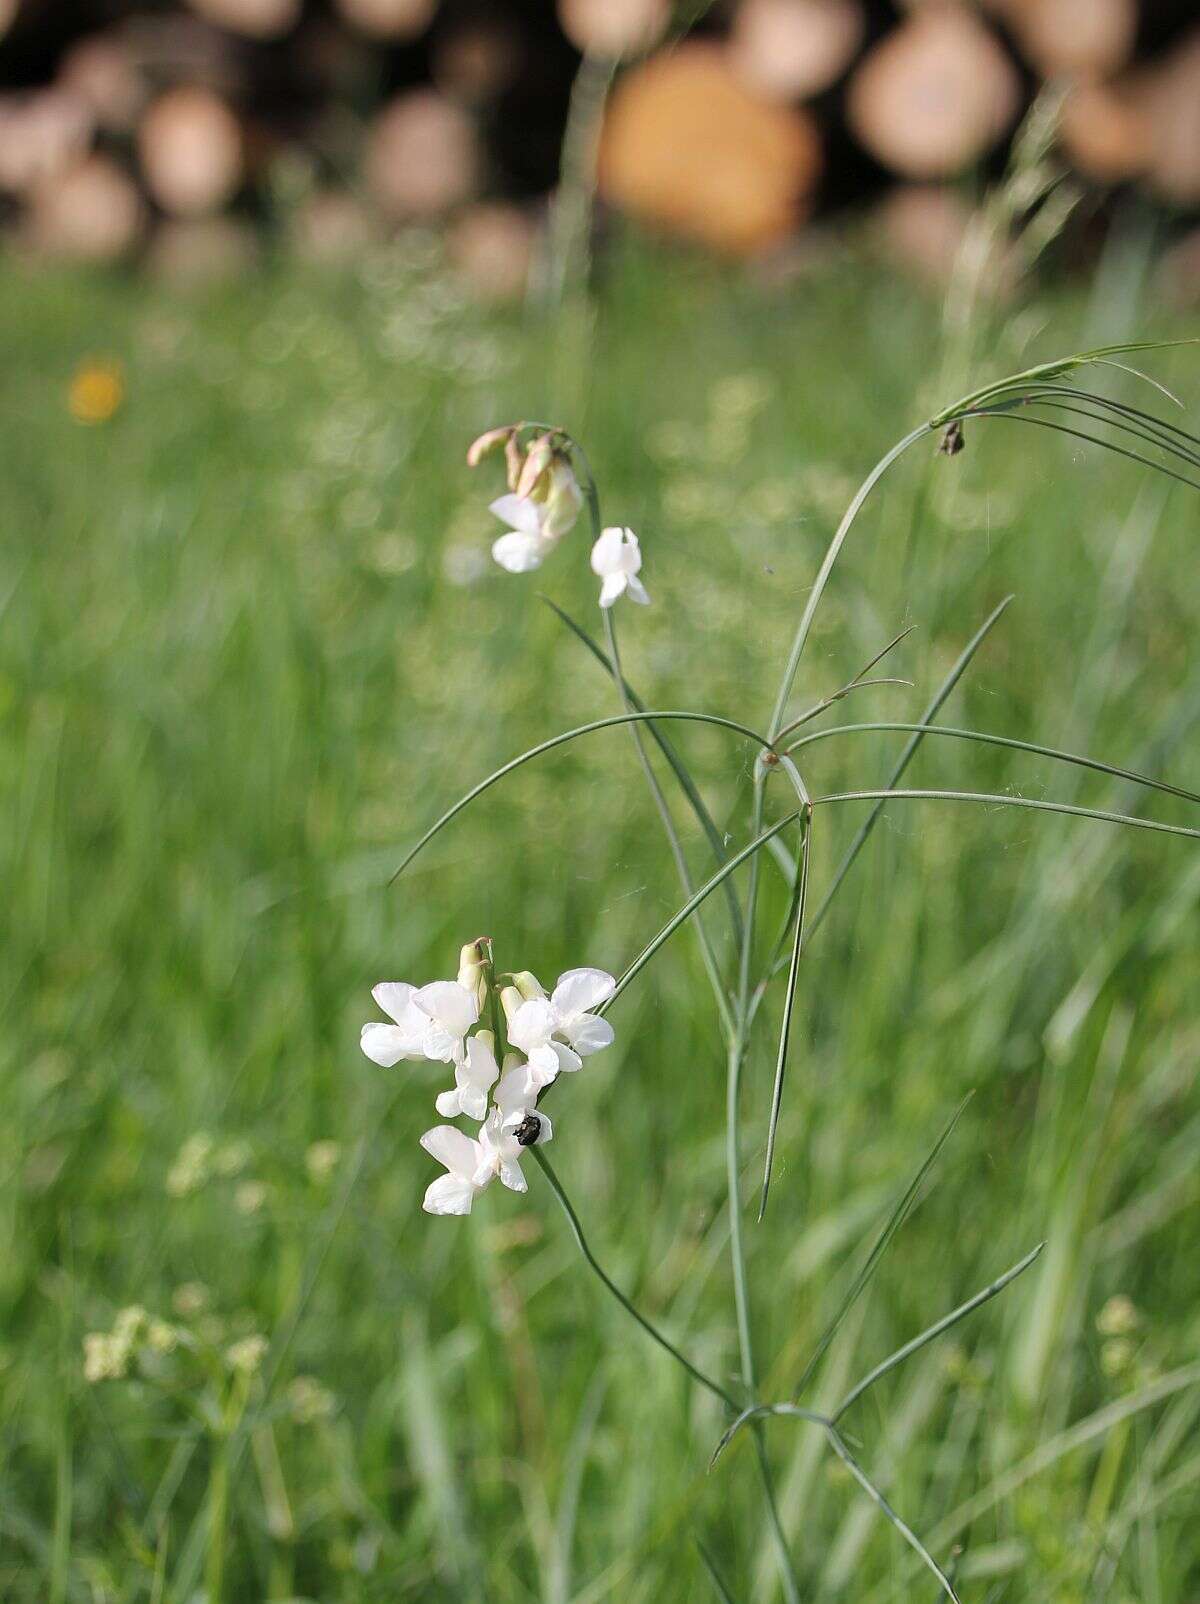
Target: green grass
x=250, y=646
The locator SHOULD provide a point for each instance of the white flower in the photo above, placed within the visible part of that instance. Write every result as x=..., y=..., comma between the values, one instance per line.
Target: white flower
x=503, y=1139
x=472, y=1080
x=564, y=1014
x=525, y=547
x=617, y=558
x=454, y=1192
x=537, y=522
x=430, y=1022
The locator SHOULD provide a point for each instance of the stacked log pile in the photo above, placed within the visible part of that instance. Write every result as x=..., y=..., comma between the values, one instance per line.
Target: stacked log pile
x=177, y=132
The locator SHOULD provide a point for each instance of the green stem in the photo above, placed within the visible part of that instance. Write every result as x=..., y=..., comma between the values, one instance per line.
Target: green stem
x=831, y=556
x=218, y=1514
x=651, y=1331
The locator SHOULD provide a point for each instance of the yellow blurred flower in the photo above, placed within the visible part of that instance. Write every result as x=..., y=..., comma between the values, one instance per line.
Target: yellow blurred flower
x=96, y=392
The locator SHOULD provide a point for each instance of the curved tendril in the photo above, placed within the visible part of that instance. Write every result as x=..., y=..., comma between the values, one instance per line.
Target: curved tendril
x=561, y=740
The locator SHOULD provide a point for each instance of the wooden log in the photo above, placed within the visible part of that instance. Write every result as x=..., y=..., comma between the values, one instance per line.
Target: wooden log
x=41, y=134
x=614, y=27
x=255, y=19
x=477, y=61
x=921, y=227
x=1105, y=129
x=790, y=49
x=422, y=156
x=102, y=71
x=686, y=146
x=934, y=95
x=1178, y=277
x=192, y=252
x=1076, y=38
x=190, y=149
x=1171, y=99
x=491, y=247
x=91, y=212
x=389, y=19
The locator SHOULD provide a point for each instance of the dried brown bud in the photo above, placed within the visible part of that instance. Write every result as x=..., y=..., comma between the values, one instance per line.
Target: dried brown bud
x=514, y=459
x=953, y=440
x=537, y=461
x=487, y=443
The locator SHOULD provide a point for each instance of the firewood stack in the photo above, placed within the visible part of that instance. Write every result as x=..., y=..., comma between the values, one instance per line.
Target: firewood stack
x=178, y=132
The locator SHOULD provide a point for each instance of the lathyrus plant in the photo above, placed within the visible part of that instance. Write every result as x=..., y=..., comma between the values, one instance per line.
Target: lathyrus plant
x=507, y=1041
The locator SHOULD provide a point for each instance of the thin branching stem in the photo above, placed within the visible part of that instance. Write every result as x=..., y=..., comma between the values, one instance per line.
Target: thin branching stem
x=651, y=1331
x=987, y=738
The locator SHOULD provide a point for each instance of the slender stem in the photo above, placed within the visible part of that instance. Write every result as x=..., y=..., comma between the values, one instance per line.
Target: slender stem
x=651, y=1331
x=831, y=556
x=707, y=954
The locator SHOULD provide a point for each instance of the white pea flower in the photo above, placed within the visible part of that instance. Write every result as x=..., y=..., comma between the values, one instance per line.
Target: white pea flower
x=617, y=559
x=430, y=1022
x=558, y=1032
x=502, y=1140
x=464, y=1159
x=518, y=1087
x=537, y=521
x=473, y=1079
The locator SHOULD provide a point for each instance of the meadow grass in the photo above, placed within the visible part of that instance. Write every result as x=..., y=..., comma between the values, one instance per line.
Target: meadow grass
x=251, y=645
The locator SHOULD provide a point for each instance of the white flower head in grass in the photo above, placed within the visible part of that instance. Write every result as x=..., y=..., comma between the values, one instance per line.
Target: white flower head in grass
x=428, y=1022
x=543, y=502
x=617, y=559
x=474, y=1078
x=558, y=1032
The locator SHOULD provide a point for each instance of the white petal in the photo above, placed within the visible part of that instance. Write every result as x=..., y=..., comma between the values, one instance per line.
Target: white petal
x=518, y=1088
x=453, y=1148
x=448, y=1104
x=473, y=1101
x=386, y=1044
x=589, y=1034
x=519, y=553
x=547, y=1129
x=606, y=553
x=438, y=1044
x=579, y=991
x=567, y=1058
x=510, y=1175
x=637, y=591
x=547, y=1061
x=532, y=1025
x=631, y=552
x=482, y=1070
x=449, y=1194
x=612, y=587
x=395, y=998
x=518, y=512
x=451, y=1005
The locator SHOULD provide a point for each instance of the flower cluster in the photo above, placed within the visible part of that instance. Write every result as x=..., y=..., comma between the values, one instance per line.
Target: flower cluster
x=547, y=1035
x=543, y=504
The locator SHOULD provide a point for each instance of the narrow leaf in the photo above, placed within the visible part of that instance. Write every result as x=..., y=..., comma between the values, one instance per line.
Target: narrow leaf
x=995, y=800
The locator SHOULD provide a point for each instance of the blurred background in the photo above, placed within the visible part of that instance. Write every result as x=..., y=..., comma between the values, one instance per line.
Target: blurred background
x=191, y=138
x=266, y=268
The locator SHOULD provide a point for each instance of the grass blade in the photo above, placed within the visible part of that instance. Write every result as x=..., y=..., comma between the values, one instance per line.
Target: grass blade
x=936, y=1330
x=785, y=1028
x=895, y=1220
x=714, y=1575
x=686, y=784
x=762, y=1412
x=943, y=691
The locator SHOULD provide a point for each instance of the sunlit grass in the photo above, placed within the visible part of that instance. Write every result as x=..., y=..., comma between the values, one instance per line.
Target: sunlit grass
x=251, y=646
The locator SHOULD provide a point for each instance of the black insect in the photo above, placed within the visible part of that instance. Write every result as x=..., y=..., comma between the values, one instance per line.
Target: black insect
x=528, y=1131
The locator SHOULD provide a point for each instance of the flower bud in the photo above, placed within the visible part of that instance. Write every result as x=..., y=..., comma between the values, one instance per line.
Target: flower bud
x=510, y=1000
x=487, y=443
x=563, y=499
x=514, y=460
x=534, y=480
x=528, y=985
x=473, y=962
